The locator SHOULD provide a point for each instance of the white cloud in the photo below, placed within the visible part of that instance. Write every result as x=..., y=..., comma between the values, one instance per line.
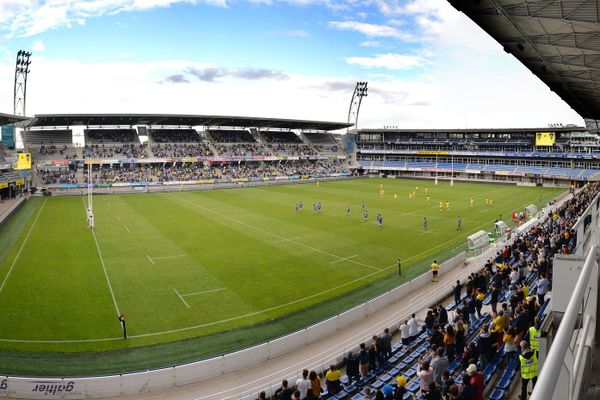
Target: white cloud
x=370, y=43
x=371, y=30
x=389, y=61
x=484, y=94
x=38, y=46
x=32, y=17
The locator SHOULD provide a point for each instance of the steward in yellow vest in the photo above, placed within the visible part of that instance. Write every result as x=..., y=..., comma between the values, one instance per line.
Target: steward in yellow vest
x=528, y=363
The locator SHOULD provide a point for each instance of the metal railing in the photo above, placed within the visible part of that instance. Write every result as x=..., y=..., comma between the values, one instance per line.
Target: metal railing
x=566, y=355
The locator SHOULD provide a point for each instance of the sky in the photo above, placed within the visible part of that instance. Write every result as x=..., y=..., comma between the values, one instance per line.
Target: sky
x=427, y=65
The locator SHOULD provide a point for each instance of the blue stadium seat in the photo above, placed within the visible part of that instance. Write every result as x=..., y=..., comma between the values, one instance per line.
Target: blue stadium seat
x=497, y=394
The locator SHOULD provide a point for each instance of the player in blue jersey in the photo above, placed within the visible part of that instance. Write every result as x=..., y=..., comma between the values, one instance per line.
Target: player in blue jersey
x=366, y=216
x=379, y=220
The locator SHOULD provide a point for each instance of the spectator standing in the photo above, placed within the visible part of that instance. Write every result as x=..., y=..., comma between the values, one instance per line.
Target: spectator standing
x=425, y=375
x=303, y=384
x=542, y=288
x=352, y=370
x=439, y=363
x=284, y=392
x=405, y=333
x=414, y=328
x=332, y=380
x=457, y=289
x=363, y=361
x=314, y=392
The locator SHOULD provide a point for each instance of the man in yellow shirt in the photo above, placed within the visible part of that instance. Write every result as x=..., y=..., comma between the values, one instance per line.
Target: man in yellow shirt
x=498, y=322
x=434, y=271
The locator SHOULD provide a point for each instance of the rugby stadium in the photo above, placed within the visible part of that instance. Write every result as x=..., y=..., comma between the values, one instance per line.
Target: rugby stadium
x=194, y=256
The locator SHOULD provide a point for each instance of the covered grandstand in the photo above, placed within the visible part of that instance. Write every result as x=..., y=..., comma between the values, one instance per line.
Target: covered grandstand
x=482, y=154
x=150, y=150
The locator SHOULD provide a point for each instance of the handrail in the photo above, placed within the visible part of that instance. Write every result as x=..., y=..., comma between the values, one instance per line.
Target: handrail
x=548, y=377
x=582, y=218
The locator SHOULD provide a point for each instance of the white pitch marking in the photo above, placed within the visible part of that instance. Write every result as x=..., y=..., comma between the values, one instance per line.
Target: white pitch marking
x=112, y=294
x=287, y=240
x=343, y=259
x=278, y=236
x=181, y=298
x=127, y=229
x=170, y=331
x=204, y=292
x=22, y=246
x=175, y=256
x=118, y=218
x=150, y=259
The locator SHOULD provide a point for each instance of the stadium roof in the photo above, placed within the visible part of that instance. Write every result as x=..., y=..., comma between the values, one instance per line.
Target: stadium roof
x=10, y=119
x=181, y=120
x=558, y=40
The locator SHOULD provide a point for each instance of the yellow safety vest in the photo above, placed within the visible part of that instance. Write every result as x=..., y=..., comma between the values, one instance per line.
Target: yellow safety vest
x=529, y=366
x=534, y=339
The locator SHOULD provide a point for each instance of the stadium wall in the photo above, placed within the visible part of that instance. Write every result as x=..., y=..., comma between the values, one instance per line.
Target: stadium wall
x=11, y=209
x=165, y=378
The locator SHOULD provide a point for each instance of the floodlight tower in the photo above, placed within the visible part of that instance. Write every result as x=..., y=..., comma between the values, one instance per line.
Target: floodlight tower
x=360, y=91
x=20, y=91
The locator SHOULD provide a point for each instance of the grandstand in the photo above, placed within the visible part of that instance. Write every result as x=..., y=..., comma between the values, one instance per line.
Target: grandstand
x=482, y=154
x=182, y=149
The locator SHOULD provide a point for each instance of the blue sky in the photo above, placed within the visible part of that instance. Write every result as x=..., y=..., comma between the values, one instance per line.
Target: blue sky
x=427, y=64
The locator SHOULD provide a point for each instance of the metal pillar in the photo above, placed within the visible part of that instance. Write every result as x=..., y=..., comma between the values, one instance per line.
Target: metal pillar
x=360, y=91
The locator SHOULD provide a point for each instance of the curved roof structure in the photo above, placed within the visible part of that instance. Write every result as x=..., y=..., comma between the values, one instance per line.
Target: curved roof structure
x=182, y=120
x=10, y=119
x=558, y=40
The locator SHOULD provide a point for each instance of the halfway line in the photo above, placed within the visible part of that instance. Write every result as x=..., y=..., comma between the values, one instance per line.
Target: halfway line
x=22, y=246
x=150, y=259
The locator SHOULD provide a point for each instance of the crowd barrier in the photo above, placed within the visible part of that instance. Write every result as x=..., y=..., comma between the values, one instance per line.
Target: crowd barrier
x=165, y=378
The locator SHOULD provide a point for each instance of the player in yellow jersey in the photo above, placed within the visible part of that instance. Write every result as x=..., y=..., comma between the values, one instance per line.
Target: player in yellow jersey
x=447, y=206
x=441, y=205
x=487, y=201
x=410, y=195
x=416, y=188
x=317, y=183
x=490, y=202
x=381, y=186
x=381, y=193
x=395, y=196
x=428, y=199
x=426, y=189
x=471, y=201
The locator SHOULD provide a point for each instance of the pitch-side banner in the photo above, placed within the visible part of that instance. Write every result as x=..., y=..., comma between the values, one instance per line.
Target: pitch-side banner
x=23, y=161
x=545, y=138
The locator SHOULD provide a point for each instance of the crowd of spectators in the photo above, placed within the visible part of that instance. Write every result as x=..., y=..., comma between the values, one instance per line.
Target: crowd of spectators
x=111, y=135
x=174, y=136
x=52, y=177
x=231, y=136
x=280, y=137
x=128, y=150
x=198, y=171
x=266, y=150
x=181, y=150
x=152, y=173
x=44, y=151
x=467, y=334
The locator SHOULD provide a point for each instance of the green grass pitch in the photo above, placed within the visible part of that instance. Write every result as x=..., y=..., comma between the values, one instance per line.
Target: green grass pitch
x=230, y=266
